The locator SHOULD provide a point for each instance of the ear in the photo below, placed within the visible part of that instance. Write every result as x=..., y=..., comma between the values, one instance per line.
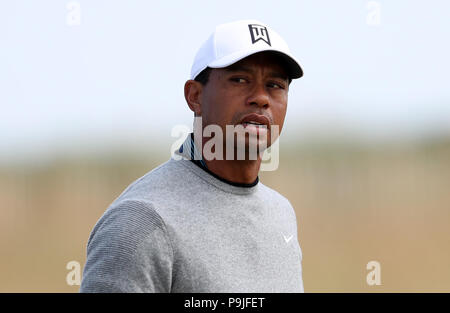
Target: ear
x=192, y=94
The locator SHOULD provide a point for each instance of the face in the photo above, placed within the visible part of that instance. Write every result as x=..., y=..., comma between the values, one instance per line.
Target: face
x=256, y=84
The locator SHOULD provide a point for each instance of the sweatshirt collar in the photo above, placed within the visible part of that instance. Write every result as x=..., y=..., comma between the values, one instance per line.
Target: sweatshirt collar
x=189, y=151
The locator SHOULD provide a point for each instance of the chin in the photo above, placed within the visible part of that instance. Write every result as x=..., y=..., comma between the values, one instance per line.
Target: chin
x=251, y=146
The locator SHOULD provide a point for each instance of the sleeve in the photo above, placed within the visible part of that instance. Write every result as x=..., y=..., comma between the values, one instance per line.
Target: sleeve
x=128, y=251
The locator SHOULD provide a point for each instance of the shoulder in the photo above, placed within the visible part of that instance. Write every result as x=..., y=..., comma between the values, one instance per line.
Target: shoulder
x=125, y=247
x=274, y=195
x=159, y=183
x=278, y=201
x=127, y=222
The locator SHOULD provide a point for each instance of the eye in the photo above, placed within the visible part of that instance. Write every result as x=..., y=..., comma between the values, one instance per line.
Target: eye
x=276, y=85
x=238, y=79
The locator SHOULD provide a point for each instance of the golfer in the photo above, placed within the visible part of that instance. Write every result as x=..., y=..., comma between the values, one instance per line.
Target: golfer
x=202, y=221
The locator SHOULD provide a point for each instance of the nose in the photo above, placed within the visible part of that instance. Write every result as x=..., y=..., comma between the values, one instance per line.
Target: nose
x=258, y=96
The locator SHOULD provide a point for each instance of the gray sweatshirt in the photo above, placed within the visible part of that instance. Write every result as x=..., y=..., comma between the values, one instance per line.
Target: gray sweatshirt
x=181, y=229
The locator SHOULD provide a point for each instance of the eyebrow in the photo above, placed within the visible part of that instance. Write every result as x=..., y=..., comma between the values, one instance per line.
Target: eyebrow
x=240, y=68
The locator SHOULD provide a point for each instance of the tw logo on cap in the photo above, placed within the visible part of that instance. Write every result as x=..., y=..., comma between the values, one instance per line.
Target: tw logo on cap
x=259, y=32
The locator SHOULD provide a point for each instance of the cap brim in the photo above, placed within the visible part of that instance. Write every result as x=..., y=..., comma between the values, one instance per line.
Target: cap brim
x=293, y=66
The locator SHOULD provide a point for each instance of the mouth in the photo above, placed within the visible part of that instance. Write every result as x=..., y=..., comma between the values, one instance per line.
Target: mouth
x=256, y=125
x=255, y=120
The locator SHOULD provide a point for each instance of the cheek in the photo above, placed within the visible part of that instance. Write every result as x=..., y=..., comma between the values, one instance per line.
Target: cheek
x=216, y=108
x=223, y=104
x=279, y=113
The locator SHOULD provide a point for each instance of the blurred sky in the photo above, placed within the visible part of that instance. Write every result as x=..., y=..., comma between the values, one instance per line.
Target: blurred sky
x=117, y=77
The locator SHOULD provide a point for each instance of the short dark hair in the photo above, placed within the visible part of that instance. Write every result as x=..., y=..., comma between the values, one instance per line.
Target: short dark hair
x=203, y=76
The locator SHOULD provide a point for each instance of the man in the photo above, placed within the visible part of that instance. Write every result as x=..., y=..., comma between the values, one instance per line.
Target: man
x=202, y=224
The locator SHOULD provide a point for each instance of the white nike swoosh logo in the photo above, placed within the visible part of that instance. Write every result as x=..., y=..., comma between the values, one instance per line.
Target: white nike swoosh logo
x=287, y=239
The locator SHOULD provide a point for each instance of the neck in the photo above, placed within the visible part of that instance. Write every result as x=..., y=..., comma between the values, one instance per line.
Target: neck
x=237, y=171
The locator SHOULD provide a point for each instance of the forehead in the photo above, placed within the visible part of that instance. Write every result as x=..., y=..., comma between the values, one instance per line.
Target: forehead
x=264, y=59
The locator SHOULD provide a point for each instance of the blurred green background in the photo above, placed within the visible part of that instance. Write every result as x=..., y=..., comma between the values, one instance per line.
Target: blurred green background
x=354, y=203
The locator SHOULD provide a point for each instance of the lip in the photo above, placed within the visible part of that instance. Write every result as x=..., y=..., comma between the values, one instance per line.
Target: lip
x=253, y=117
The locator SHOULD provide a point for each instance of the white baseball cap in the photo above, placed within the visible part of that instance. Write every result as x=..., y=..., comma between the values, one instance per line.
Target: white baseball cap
x=234, y=41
